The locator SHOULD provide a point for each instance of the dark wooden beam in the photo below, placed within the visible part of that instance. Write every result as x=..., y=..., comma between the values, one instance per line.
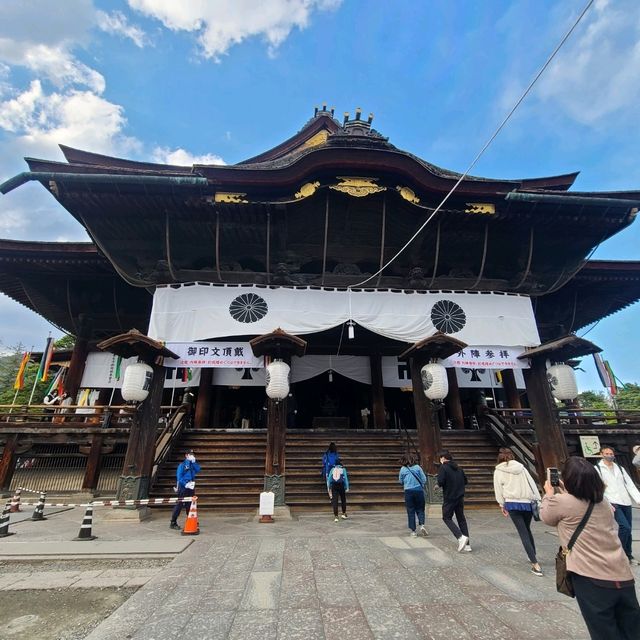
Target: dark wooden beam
x=452, y=401
x=203, y=403
x=92, y=471
x=377, y=392
x=8, y=462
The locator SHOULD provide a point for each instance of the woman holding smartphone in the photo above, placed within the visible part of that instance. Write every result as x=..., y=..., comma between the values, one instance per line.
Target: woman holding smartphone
x=600, y=573
x=516, y=492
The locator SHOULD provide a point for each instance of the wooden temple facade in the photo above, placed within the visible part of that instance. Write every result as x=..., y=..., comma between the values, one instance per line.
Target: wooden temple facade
x=323, y=213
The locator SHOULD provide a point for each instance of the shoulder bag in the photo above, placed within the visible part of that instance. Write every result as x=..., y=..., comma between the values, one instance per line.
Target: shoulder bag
x=424, y=486
x=564, y=583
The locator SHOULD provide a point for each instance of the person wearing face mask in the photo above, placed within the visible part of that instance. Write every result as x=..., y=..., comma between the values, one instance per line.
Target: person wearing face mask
x=620, y=492
x=185, y=485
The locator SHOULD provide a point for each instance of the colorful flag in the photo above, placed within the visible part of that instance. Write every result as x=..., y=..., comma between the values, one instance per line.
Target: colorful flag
x=613, y=387
x=45, y=361
x=118, y=367
x=57, y=383
x=602, y=370
x=19, y=383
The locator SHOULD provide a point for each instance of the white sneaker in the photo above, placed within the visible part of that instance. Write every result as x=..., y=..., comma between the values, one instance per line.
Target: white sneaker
x=344, y=516
x=336, y=519
x=468, y=548
x=462, y=542
x=414, y=534
x=423, y=531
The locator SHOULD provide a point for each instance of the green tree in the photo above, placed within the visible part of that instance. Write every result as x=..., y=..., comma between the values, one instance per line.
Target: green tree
x=67, y=342
x=9, y=365
x=628, y=397
x=593, y=400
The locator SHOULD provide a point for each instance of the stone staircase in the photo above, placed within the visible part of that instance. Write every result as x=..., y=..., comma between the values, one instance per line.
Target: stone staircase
x=372, y=461
x=232, y=464
x=233, y=467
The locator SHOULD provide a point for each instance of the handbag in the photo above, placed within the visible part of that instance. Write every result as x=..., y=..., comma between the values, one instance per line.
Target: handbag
x=564, y=584
x=535, y=505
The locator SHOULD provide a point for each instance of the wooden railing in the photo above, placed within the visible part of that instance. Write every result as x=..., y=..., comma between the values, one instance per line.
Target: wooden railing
x=174, y=425
x=587, y=420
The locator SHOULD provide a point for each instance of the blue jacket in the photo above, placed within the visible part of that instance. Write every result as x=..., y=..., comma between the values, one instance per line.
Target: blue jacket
x=186, y=472
x=329, y=460
x=409, y=481
x=345, y=477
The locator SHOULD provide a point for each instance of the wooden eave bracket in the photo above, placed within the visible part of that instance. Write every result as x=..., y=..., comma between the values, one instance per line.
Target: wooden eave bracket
x=136, y=344
x=440, y=345
x=562, y=349
x=278, y=343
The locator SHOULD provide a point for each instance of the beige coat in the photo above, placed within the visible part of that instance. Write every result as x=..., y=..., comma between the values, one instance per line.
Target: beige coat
x=513, y=483
x=597, y=553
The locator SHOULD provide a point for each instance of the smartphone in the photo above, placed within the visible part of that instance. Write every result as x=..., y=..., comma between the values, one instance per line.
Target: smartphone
x=553, y=476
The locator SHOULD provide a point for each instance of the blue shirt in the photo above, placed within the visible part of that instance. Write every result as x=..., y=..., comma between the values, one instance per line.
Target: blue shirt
x=186, y=472
x=409, y=481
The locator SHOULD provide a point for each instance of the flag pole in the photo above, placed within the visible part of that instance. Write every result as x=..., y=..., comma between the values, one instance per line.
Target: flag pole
x=35, y=382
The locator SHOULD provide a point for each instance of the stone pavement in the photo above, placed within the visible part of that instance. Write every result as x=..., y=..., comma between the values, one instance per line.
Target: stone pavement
x=314, y=579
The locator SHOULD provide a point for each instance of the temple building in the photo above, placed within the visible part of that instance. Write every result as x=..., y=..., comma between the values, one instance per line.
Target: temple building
x=313, y=253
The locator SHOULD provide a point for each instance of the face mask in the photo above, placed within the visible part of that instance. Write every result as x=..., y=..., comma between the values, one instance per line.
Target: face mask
x=609, y=458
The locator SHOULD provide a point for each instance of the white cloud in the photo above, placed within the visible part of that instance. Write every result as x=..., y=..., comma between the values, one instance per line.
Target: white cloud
x=41, y=121
x=116, y=23
x=220, y=24
x=597, y=73
x=182, y=158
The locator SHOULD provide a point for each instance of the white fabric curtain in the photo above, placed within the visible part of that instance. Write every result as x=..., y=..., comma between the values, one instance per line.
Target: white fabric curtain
x=200, y=312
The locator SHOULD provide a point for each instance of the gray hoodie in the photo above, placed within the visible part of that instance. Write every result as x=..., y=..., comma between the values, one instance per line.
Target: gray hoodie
x=513, y=483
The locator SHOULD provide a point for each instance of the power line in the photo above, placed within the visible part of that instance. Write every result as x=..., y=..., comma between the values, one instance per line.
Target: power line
x=484, y=148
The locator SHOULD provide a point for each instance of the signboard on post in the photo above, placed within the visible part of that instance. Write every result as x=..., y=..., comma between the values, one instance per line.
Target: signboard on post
x=590, y=446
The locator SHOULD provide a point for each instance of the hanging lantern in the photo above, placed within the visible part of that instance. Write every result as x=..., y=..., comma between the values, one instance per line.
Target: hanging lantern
x=562, y=379
x=277, y=379
x=434, y=381
x=136, y=382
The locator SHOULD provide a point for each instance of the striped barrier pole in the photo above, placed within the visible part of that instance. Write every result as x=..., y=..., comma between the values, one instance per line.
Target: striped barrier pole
x=111, y=503
x=31, y=490
x=15, y=502
x=4, y=522
x=85, y=527
x=38, y=512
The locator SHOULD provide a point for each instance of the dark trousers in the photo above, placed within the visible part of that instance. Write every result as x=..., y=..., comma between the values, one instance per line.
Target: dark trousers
x=623, y=515
x=337, y=489
x=183, y=492
x=451, y=508
x=414, y=501
x=522, y=522
x=610, y=614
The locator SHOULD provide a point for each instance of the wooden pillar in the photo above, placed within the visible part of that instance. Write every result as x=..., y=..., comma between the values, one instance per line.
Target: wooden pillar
x=275, y=462
x=217, y=407
x=426, y=422
x=377, y=392
x=78, y=358
x=8, y=462
x=203, y=404
x=92, y=471
x=511, y=389
x=552, y=445
x=138, y=461
x=452, y=401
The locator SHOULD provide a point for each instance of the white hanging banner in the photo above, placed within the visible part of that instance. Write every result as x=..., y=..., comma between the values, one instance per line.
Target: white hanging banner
x=212, y=354
x=488, y=357
x=187, y=313
x=100, y=373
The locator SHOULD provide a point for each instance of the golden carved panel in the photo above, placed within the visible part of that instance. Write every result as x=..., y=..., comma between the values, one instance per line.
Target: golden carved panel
x=230, y=198
x=408, y=194
x=485, y=208
x=358, y=187
x=307, y=190
x=317, y=140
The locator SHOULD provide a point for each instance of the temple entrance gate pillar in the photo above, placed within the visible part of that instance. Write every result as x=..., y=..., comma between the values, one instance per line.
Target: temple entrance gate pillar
x=282, y=346
x=203, y=403
x=452, y=401
x=134, y=483
x=551, y=442
x=438, y=346
x=78, y=357
x=377, y=392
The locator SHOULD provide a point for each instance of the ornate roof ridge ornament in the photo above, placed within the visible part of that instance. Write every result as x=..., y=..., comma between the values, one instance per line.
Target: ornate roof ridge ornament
x=306, y=190
x=358, y=187
x=408, y=194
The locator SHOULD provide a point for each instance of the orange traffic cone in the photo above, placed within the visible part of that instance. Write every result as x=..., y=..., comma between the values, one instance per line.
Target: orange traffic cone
x=191, y=527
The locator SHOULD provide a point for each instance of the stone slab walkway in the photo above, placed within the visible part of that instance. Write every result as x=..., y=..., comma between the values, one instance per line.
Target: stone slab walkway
x=313, y=579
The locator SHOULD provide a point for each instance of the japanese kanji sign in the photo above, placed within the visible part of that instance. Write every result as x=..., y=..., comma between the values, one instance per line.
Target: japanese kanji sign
x=488, y=357
x=213, y=354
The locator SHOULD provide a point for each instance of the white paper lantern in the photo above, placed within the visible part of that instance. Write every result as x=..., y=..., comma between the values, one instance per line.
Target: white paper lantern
x=434, y=381
x=277, y=379
x=562, y=379
x=136, y=382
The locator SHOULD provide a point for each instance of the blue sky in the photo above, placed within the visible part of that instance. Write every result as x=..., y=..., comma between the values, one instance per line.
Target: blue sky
x=223, y=80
